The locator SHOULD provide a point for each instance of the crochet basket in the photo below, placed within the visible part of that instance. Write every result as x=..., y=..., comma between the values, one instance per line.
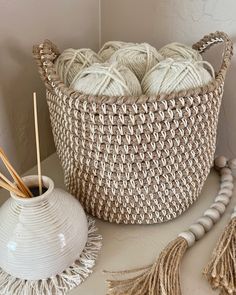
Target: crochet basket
x=135, y=160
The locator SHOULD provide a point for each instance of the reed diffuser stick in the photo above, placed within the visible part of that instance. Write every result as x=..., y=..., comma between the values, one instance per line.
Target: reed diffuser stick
x=11, y=189
x=4, y=178
x=19, y=182
x=37, y=143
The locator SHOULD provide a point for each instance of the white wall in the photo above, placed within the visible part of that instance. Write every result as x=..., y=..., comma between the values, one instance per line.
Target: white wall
x=22, y=24
x=163, y=21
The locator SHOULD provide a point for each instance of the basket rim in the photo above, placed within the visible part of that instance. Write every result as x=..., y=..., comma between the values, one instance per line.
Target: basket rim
x=46, y=53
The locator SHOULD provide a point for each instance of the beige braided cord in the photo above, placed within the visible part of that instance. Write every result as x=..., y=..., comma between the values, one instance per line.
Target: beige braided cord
x=134, y=159
x=218, y=37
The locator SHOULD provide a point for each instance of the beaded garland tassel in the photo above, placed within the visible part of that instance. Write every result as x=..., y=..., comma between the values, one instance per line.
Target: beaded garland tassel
x=163, y=276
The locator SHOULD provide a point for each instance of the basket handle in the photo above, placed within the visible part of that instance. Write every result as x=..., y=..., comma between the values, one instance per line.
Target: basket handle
x=214, y=38
x=44, y=55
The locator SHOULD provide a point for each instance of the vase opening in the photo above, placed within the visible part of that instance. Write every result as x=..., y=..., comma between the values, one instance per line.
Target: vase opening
x=32, y=182
x=35, y=191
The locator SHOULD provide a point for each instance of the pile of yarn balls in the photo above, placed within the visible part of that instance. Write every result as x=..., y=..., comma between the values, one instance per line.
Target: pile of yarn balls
x=133, y=69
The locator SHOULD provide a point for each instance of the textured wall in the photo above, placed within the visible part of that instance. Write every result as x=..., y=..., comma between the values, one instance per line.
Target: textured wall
x=22, y=24
x=163, y=21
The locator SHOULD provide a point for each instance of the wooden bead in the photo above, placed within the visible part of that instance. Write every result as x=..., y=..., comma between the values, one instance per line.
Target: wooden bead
x=189, y=237
x=227, y=177
x=198, y=230
x=220, y=207
x=206, y=222
x=223, y=199
x=233, y=215
x=220, y=161
x=232, y=164
x=227, y=184
x=225, y=171
x=213, y=214
x=226, y=192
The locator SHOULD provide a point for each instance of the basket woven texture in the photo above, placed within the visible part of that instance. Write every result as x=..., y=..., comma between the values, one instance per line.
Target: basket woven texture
x=135, y=160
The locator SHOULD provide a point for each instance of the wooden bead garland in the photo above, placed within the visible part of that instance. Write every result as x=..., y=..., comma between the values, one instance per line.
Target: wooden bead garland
x=232, y=164
x=225, y=171
x=219, y=207
x=227, y=177
x=213, y=214
x=223, y=199
x=225, y=192
x=220, y=162
x=189, y=237
x=197, y=230
x=228, y=185
x=206, y=222
x=233, y=215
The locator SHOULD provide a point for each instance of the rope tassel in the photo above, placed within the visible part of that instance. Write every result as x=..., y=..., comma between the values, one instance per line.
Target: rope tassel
x=160, y=278
x=163, y=277
x=221, y=270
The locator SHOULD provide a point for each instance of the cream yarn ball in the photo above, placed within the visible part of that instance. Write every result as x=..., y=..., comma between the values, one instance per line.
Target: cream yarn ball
x=109, y=48
x=139, y=58
x=72, y=61
x=107, y=79
x=177, y=50
x=175, y=75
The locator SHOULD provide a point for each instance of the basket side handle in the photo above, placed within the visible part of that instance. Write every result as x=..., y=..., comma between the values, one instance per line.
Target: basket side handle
x=45, y=55
x=214, y=38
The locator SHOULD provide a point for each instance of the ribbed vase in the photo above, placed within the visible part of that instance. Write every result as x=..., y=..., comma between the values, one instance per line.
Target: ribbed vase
x=42, y=236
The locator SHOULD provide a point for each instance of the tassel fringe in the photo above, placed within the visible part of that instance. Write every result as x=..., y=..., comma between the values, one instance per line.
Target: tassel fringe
x=161, y=278
x=63, y=283
x=221, y=270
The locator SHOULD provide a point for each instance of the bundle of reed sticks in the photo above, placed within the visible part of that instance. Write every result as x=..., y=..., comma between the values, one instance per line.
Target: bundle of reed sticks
x=18, y=186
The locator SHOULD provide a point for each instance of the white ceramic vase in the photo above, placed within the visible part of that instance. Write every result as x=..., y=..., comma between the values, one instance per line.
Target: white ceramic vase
x=42, y=236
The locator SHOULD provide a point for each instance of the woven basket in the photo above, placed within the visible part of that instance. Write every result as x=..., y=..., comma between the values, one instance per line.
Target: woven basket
x=138, y=160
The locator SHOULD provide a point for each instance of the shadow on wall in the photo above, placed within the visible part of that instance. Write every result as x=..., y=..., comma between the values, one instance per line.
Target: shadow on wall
x=19, y=78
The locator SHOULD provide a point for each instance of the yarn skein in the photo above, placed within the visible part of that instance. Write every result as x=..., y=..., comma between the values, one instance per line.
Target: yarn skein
x=109, y=48
x=107, y=79
x=177, y=50
x=175, y=75
x=72, y=61
x=139, y=58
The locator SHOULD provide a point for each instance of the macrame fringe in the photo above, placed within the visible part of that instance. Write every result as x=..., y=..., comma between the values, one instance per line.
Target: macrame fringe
x=61, y=284
x=221, y=270
x=161, y=278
